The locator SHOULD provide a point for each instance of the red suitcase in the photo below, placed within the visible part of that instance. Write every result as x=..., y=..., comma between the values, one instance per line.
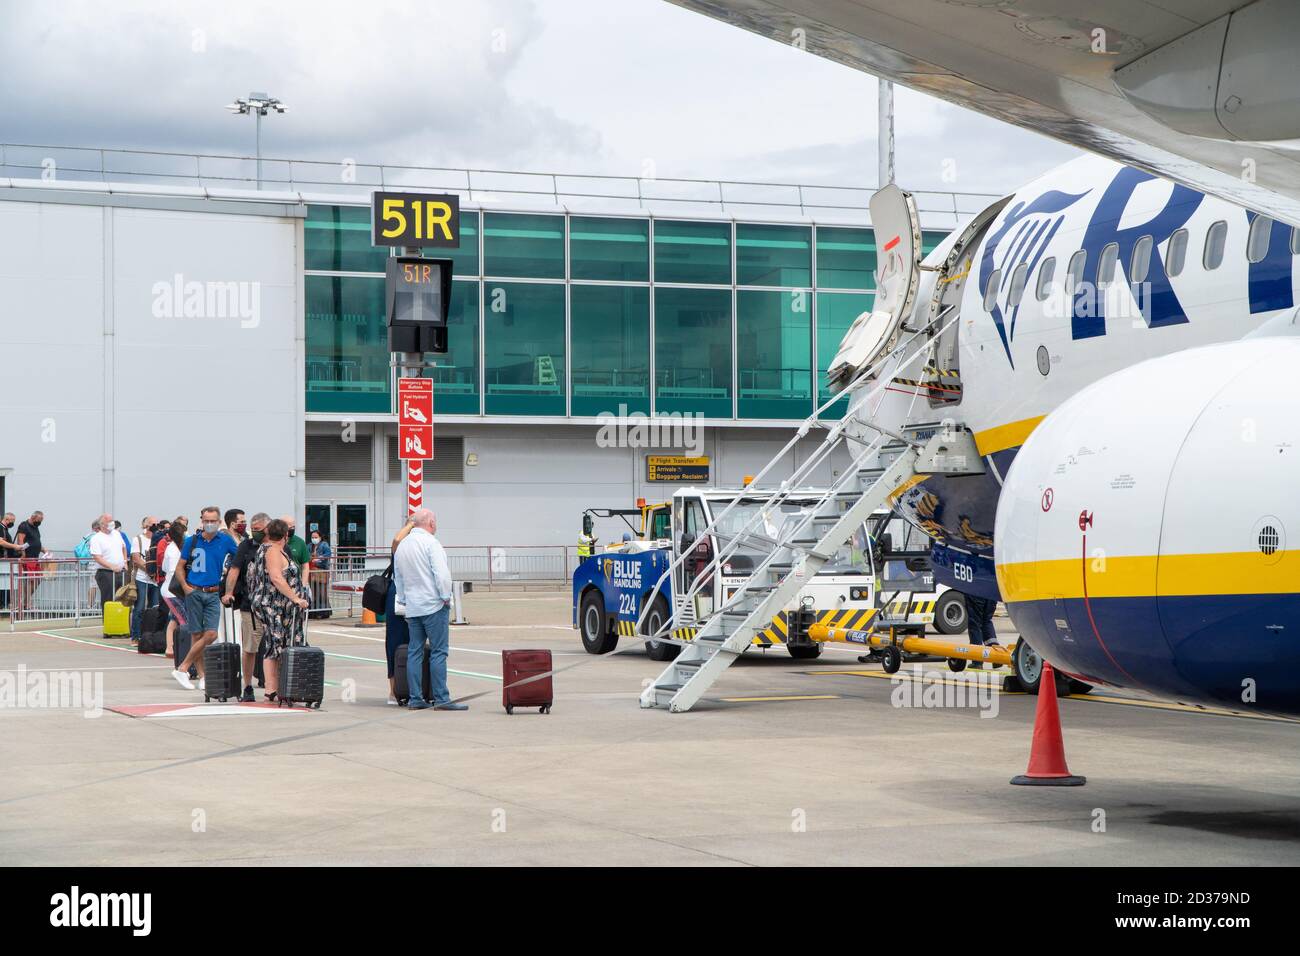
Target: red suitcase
x=517, y=666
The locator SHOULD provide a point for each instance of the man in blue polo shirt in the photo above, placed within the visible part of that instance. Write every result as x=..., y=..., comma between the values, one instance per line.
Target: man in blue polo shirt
x=202, y=565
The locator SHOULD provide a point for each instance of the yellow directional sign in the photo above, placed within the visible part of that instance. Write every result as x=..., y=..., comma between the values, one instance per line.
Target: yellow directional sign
x=677, y=468
x=415, y=219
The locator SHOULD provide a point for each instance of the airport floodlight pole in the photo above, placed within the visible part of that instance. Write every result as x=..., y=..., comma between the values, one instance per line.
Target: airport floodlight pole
x=885, y=134
x=258, y=104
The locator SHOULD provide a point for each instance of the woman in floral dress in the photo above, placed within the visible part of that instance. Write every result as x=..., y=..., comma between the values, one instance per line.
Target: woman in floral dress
x=279, y=598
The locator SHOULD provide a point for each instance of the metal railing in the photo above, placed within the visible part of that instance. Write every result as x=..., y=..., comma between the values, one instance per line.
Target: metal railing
x=55, y=589
x=489, y=187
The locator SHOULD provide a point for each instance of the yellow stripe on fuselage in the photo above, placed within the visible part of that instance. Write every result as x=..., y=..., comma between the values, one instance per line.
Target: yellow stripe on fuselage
x=1010, y=435
x=1175, y=575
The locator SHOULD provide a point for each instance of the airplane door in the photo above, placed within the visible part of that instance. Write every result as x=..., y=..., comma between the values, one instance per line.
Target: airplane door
x=898, y=256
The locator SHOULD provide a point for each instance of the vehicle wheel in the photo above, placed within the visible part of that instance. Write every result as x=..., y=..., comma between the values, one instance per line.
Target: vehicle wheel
x=956, y=664
x=950, y=613
x=593, y=625
x=891, y=659
x=805, y=652
x=1028, y=667
x=658, y=616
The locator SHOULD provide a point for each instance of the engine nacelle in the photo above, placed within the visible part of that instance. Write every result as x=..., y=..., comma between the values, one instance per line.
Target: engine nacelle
x=1142, y=534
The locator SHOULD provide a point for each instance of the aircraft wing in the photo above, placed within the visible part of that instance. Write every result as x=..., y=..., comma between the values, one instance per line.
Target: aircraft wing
x=1203, y=92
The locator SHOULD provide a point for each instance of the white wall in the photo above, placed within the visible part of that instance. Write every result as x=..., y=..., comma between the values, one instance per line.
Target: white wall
x=85, y=425
x=533, y=482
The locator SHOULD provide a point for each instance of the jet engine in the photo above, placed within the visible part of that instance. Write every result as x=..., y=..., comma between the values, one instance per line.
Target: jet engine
x=1142, y=533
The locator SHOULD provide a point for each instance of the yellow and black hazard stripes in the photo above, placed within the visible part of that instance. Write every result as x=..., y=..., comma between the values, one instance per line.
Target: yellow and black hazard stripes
x=906, y=608
x=778, y=631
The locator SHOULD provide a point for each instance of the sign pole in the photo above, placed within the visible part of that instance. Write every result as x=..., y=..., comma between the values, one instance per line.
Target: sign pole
x=410, y=368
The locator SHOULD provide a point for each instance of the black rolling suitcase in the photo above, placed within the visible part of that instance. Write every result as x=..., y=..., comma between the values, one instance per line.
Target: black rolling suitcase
x=302, y=670
x=401, y=684
x=153, y=630
x=221, y=663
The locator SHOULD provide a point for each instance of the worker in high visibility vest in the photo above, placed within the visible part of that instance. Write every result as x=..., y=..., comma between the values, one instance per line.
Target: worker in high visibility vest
x=586, y=540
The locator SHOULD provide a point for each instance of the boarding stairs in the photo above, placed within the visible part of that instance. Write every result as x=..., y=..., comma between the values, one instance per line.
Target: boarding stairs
x=800, y=551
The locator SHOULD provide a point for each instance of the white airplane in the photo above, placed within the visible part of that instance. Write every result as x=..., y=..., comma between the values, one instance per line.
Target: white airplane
x=1119, y=344
x=1119, y=347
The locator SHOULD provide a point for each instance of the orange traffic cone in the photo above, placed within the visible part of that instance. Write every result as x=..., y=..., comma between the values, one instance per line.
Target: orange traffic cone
x=368, y=618
x=1047, y=753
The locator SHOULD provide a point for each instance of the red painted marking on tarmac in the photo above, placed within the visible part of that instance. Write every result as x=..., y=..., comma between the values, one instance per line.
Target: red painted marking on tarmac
x=216, y=709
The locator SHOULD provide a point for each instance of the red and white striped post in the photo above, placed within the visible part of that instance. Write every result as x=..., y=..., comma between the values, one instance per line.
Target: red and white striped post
x=414, y=486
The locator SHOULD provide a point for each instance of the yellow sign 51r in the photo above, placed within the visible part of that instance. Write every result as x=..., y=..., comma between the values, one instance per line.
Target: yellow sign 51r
x=415, y=219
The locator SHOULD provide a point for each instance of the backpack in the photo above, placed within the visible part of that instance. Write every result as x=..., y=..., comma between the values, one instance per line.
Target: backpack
x=152, y=564
x=82, y=550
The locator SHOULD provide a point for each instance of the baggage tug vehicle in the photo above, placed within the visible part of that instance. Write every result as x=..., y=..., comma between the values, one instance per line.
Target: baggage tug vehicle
x=880, y=579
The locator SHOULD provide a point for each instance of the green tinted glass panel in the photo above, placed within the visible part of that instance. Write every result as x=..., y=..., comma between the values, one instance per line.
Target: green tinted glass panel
x=337, y=239
x=692, y=252
x=931, y=239
x=455, y=375
x=464, y=258
x=524, y=332
x=610, y=340
x=773, y=255
x=531, y=247
x=693, y=351
x=613, y=249
x=774, y=352
x=846, y=258
x=347, y=344
x=835, y=313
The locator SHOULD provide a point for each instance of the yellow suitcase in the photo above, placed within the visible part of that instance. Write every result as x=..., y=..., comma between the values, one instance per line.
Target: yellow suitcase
x=117, y=619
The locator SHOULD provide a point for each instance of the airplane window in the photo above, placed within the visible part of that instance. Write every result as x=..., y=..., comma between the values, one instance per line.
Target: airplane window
x=1045, y=277
x=1141, y=261
x=1295, y=240
x=1261, y=231
x=1018, y=284
x=991, y=290
x=1106, y=262
x=1215, y=239
x=1074, y=274
x=1176, y=254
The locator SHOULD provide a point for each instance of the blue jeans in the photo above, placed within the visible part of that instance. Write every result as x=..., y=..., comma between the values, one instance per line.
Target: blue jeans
x=431, y=627
x=146, y=596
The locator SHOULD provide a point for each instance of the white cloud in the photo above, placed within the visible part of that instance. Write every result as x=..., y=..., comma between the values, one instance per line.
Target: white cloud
x=579, y=87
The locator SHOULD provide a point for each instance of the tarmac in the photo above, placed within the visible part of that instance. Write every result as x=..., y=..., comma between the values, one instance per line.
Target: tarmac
x=783, y=763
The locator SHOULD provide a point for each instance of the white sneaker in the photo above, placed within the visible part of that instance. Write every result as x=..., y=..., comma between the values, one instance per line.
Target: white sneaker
x=203, y=683
x=392, y=702
x=183, y=679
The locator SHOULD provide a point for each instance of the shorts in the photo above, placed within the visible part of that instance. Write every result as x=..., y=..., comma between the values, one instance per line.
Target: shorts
x=250, y=632
x=203, y=608
x=177, y=608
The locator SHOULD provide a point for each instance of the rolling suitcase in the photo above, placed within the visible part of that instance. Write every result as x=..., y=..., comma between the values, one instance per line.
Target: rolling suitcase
x=517, y=666
x=302, y=671
x=221, y=665
x=401, y=686
x=153, y=630
x=117, y=619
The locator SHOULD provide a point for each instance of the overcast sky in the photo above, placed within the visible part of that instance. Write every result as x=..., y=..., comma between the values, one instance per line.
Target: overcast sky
x=575, y=86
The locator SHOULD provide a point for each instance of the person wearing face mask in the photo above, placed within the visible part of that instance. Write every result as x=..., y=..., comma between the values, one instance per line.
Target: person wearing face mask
x=294, y=546
x=110, y=553
x=250, y=628
x=29, y=536
x=236, y=525
x=9, y=551
x=201, y=572
x=320, y=575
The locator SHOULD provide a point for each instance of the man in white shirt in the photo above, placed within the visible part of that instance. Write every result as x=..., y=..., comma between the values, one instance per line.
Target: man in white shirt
x=422, y=580
x=108, y=550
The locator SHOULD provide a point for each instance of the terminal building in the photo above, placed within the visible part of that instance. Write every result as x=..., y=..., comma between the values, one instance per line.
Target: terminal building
x=172, y=340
